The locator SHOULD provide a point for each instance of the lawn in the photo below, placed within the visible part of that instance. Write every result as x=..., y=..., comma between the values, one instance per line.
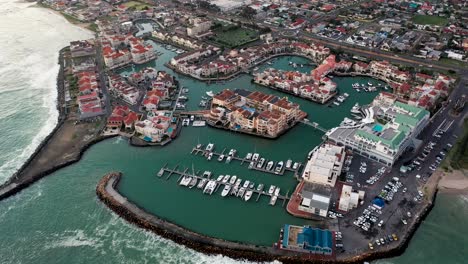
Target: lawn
x=232, y=35
x=429, y=20
x=453, y=62
x=136, y=5
x=457, y=158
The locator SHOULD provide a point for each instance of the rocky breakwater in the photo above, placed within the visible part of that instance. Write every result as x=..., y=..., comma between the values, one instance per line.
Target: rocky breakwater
x=107, y=193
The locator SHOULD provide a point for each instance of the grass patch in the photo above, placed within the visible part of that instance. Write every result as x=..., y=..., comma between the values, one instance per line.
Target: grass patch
x=71, y=19
x=136, y=5
x=233, y=36
x=429, y=20
x=93, y=27
x=457, y=158
x=453, y=62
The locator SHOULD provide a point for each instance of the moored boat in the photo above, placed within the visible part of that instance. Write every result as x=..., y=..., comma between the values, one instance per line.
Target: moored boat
x=226, y=178
x=233, y=179
x=248, y=195
x=288, y=163
x=193, y=182
x=279, y=167
x=270, y=165
x=271, y=189
x=202, y=183
x=221, y=157
x=226, y=190
x=260, y=187
x=249, y=156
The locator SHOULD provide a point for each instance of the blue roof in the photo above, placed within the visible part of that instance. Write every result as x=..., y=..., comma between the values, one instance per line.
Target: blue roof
x=379, y=202
x=314, y=238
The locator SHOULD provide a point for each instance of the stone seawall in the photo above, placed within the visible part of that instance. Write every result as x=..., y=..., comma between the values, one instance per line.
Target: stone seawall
x=108, y=194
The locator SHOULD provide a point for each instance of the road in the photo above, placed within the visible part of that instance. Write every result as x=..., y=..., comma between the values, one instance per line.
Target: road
x=356, y=239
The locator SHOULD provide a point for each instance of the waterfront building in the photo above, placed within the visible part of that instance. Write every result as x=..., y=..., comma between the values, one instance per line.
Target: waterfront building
x=315, y=199
x=82, y=48
x=198, y=26
x=307, y=239
x=389, y=127
x=314, y=86
x=349, y=198
x=154, y=128
x=254, y=112
x=88, y=99
x=119, y=87
x=325, y=165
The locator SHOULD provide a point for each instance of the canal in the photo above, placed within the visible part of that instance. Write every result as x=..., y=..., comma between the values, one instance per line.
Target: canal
x=229, y=217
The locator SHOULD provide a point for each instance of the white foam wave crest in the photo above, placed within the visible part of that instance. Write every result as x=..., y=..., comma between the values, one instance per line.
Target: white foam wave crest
x=75, y=238
x=124, y=237
x=20, y=202
x=29, y=63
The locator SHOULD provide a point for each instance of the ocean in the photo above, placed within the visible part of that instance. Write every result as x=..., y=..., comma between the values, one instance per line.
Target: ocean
x=60, y=220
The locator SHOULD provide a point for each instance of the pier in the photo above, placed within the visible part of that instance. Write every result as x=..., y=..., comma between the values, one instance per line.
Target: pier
x=205, y=153
x=170, y=172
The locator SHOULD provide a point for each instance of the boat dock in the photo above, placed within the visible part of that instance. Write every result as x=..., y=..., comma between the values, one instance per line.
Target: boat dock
x=256, y=195
x=205, y=153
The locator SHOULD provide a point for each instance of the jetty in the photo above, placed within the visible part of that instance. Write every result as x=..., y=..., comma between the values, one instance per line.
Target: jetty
x=204, y=153
x=174, y=171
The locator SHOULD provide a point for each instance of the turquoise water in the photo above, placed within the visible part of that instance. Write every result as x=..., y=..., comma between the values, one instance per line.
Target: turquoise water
x=60, y=220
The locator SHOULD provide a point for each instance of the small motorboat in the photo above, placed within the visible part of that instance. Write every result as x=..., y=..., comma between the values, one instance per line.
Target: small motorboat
x=210, y=93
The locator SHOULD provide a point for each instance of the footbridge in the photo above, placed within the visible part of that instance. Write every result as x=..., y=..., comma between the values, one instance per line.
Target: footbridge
x=314, y=125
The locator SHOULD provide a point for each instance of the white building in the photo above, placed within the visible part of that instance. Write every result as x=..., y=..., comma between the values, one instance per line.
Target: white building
x=349, y=199
x=385, y=133
x=325, y=165
x=315, y=199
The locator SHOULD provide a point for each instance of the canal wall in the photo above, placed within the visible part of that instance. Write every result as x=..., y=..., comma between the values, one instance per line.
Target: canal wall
x=108, y=194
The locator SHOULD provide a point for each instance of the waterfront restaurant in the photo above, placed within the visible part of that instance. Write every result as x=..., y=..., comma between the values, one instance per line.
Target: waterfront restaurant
x=307, y=239
x=387, y=130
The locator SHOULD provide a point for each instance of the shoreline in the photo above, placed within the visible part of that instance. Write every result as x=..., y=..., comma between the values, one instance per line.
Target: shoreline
x=454, y=182
x=108, y=194
x=63, y=146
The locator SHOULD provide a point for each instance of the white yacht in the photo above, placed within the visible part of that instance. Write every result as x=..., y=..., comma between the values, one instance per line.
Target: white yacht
x=249, y=156
x=260, y=187
x=248, y=195
x=221, y=157
x=232, y=152
x=210, y=156
x=270, y=165
x=356, y=108
x=228, y=159
x=288, y=163
x=279, y=167
x=271, y=189
x=246, y=184
x=255, y=156
x=210, y=147
x=220, y=178
x=260, y=163
x=233, y=179
x=295, y=166
x=273, y=200
x=226, y=178
x=210, y=93
x=202, y=183
x=226, y=190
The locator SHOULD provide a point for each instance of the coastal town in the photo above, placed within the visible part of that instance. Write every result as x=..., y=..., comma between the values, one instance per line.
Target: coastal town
x=371, y=93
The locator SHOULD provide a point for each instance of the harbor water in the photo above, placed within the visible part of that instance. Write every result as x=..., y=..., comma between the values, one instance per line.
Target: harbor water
x=60, y=220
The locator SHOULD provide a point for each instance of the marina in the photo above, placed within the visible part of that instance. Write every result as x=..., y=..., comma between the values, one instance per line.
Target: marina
x=254, y=163
x=245, y=191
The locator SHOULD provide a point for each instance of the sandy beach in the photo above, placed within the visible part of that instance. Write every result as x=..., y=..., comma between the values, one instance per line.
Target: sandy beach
x=454, y=182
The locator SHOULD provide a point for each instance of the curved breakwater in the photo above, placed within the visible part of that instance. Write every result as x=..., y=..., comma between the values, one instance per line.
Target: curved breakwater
x=107, y=192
